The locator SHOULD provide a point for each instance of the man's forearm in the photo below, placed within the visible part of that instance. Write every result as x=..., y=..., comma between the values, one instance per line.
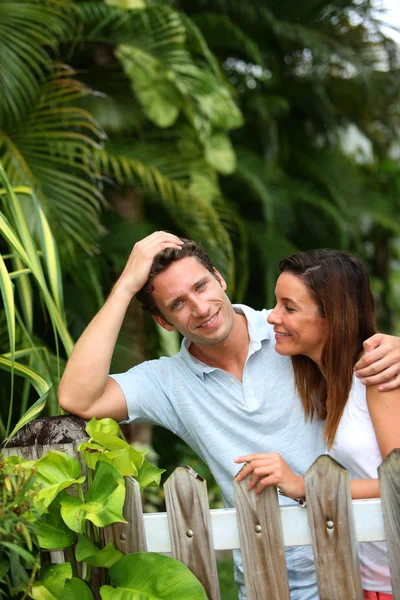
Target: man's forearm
x=84, y=388
x=85, y=376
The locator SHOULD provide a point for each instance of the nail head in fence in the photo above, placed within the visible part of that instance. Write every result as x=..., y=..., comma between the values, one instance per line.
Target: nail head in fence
x=261, y=542
x=190, y=526
x=389, y=483
x=330, y=518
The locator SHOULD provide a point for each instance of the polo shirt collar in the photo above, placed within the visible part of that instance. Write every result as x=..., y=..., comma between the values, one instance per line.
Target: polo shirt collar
x=259, y=331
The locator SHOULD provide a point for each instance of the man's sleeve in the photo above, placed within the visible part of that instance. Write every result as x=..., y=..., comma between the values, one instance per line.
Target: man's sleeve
x=147, y=399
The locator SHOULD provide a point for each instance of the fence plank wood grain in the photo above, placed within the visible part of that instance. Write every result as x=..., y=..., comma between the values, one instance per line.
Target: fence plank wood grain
x=190, y=526
x=389, y=483
x=128, y=537
x=331, y=523
x=261, y=541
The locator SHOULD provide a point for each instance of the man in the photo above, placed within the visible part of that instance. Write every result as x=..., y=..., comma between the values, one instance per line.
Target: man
x=227, y=392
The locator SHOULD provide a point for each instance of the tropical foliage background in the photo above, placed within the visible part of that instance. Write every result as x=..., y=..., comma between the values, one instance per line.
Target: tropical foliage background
x=256, y=127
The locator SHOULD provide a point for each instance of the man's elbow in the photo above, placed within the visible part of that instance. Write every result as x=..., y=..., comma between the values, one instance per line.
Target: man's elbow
x=68, y=404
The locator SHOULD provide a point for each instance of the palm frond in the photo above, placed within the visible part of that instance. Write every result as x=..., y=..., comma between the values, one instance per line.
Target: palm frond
x=30, y=31
x=192, y=213
x=53, y=154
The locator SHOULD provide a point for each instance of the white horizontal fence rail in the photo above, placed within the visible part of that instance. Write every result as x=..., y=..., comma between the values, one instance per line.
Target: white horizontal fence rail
x=367, y=516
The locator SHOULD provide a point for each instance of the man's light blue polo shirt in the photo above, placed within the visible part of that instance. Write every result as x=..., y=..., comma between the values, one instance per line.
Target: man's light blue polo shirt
x=221, y=417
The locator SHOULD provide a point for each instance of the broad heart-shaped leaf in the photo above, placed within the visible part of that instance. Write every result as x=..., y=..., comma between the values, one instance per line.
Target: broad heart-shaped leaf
x=56, y=471
x=126, y=460
x=92, y=453
x=103, y=426
x=52, y=532
x=152, y=576
x=149, y=475
x=104, y=501
x=87, y=551
x=76, y=588
x=50, y=585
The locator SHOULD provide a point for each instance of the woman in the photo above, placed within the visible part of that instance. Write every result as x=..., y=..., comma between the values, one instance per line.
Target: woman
x=324, y=310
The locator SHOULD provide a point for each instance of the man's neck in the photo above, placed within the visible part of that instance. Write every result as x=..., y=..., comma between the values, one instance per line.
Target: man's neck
x=229, y=355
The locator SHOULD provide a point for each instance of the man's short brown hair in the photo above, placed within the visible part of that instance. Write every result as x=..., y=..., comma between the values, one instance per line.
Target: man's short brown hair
x=162, y=261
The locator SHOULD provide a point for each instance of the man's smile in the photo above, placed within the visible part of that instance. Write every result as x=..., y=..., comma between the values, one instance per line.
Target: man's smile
x=210, y=323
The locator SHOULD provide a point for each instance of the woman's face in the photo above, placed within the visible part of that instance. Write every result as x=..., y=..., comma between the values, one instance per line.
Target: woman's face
x=298, y=326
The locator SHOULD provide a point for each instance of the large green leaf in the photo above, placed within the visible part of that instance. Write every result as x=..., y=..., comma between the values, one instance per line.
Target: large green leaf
x=151, y=576
x=51, y=582
x=103, y=426
x=76, y=588
x=56, y=471
x=104, y=501
x=149, y=475
x=51, y=531
x=88, y=552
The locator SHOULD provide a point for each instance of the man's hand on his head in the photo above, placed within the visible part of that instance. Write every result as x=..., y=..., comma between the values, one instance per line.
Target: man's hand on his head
x=380, y=363
x=137, y=269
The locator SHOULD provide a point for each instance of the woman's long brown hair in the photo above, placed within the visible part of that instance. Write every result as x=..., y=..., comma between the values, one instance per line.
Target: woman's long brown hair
x=339, y=285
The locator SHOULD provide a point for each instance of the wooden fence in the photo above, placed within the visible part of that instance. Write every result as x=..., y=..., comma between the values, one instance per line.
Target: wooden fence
x=191, y=532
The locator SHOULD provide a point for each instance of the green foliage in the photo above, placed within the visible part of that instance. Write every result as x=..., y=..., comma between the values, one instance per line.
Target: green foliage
x=154, y=576
x=17, y=529
x=36, y=511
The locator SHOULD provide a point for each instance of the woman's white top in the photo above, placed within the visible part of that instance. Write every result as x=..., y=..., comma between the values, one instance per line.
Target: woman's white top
x=356, y=448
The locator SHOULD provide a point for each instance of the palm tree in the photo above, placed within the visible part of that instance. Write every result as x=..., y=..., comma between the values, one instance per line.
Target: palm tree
x=97, y=96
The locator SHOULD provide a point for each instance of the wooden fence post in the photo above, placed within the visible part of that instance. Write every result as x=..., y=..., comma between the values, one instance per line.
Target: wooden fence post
x=261, y=542
x=128, y=537
x=190, y=526
x=330, y=517
x=389, y=483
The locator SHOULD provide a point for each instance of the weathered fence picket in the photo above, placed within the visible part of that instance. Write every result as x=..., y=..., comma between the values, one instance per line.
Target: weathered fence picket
x=190, y=527
x=261, y=541
x=389, y=483
x=330, y=518
x=333, y=524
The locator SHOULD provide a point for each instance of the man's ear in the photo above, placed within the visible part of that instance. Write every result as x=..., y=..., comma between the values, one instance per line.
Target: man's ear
x=163, y=323
x=220, y=279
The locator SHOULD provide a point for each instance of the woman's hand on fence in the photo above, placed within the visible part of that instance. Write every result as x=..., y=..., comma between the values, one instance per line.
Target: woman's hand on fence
x=270, y=469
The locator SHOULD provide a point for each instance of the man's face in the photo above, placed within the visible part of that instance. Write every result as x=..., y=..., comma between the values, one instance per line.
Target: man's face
x=193, y=301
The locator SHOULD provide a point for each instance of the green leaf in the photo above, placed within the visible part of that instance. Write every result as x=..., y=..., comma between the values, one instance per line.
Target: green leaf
x=149, y=475
x=220, y=154
x=76, y=588
x=88, y=552
x=105, y=501
x=4, y=567
x=24, y=554
x=56, y=471
x=51, y=583
x=92, y=453
x=152, y=576
x=102, y=425
x=51, y=531
x=73, y=512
